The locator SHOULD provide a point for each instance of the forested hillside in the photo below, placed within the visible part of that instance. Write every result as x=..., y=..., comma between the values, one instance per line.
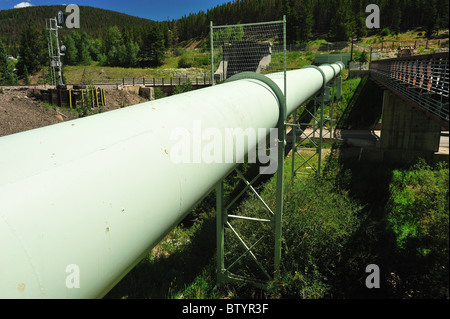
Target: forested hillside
x=306, y=19
x=95, y=22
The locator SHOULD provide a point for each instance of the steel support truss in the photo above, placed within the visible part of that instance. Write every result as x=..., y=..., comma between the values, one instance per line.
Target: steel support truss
x=307, y=137
x=273, y=219
x=274, y=216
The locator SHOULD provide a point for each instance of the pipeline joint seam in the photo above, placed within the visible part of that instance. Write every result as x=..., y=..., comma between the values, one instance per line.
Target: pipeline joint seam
x=272, y=85
x=324, y=83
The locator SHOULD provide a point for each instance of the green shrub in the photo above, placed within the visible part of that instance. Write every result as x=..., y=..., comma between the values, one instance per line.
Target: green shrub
x=185, y=62
x=318, y=222
x=201, y=61
x=418, y=215
x=185, y=87
x=159, y=94
x=178, y=51
x=385, y=32
x=418, y=205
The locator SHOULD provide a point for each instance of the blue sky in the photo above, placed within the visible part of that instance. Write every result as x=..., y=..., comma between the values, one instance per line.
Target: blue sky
x=158, y=10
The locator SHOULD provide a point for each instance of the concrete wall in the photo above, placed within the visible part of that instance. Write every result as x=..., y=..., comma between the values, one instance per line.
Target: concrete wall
x=407, y=133
x=133, y=89
x=352, y=74
x=147, y=92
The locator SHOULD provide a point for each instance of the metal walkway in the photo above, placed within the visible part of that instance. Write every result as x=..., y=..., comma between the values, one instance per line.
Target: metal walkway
x=421, y=80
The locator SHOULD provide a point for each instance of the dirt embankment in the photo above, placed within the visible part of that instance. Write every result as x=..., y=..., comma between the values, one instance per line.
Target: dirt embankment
x=20, y=111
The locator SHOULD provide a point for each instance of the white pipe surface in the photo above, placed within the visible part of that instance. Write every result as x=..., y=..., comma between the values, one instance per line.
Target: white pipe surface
x=87, y=199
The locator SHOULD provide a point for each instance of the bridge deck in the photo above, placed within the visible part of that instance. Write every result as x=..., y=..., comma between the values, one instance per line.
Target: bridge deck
x=423, y=81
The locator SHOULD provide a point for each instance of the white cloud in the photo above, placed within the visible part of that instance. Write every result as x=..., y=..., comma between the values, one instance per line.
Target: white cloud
x=23, y=5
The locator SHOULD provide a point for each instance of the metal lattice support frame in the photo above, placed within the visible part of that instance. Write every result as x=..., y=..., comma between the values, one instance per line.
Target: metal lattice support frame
x=275, y=216
x=318, y=124
x=329, y=93
x=224, y=219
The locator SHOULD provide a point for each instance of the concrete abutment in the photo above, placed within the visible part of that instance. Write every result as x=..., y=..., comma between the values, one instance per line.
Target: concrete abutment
x=407, y=133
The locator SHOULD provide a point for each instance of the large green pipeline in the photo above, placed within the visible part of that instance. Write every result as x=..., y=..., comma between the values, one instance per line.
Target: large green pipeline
x=82, y=202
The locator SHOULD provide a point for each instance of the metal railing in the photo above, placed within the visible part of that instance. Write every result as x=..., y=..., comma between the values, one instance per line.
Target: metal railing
x=422, y=80
x=155, y=81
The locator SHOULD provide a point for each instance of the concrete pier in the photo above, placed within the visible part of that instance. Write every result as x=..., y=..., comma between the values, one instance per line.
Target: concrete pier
x=407, y=133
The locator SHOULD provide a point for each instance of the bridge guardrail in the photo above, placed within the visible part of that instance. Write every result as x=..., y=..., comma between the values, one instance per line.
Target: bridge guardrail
x=155, y=81
x=422, y=80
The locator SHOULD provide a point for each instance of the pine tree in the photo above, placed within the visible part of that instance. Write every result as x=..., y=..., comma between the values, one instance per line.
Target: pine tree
x=84, y=56
x=132, y=51
x=3, y=64
x=7, y=75
x=443, y=12
x=26, y=76
x=95, y=49
x=153, y=48
x=32, y=54
x=174, y=35
x=70, y=56
x=306, y=21
x=113, y=47
x=431, y=19
x=343, y=25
